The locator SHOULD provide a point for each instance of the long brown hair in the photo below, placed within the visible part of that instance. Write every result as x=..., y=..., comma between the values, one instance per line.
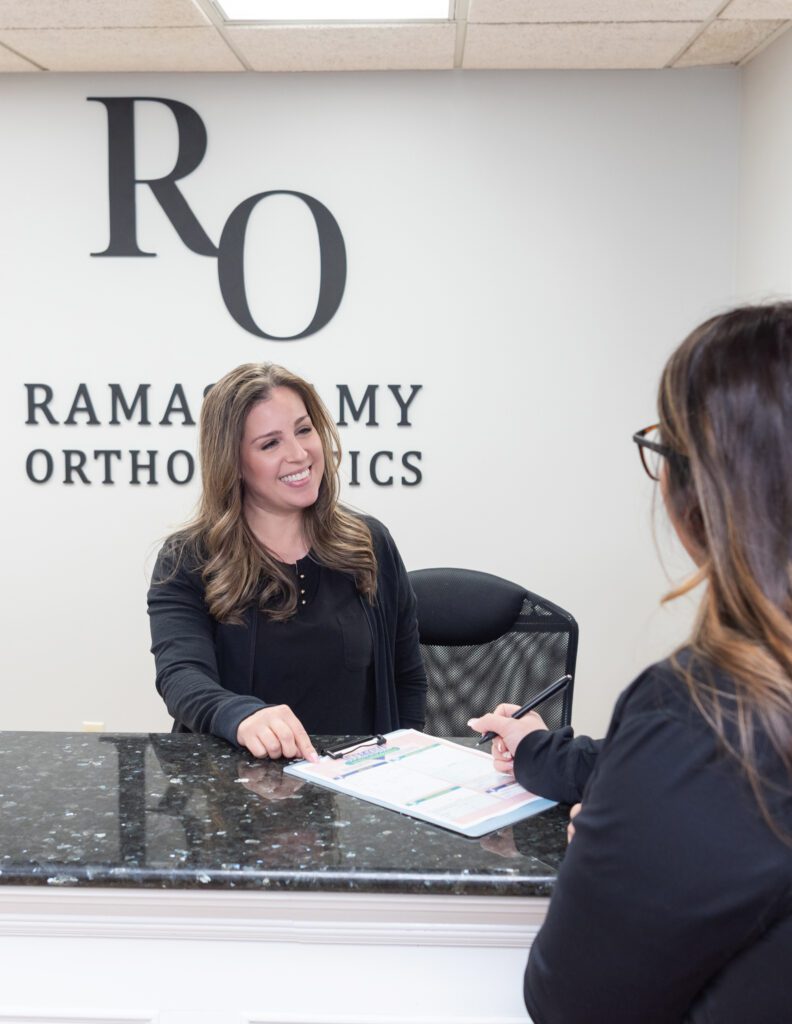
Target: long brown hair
x=725, y=404
x=238, y=570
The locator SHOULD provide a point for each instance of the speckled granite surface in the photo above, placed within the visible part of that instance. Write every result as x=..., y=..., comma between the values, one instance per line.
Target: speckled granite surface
x=180, y=811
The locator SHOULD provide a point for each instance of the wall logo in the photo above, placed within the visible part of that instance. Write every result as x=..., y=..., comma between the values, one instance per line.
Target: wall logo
x=106, y=434
x=230, y=250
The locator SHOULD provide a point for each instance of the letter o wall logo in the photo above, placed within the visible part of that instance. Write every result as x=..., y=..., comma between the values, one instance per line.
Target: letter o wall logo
x=230, y=251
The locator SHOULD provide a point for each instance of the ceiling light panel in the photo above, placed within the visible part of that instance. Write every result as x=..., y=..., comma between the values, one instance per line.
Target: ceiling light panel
x=335, y=10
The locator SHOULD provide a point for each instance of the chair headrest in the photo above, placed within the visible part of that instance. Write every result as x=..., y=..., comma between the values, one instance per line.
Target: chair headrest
x=461, y=607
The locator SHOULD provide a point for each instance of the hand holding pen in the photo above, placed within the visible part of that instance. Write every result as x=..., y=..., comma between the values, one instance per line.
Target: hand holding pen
x=498, y=725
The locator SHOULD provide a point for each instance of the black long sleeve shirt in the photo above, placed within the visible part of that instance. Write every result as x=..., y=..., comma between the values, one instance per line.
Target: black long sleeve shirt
x=674, y=900
x=206, y=669
x=555, y=764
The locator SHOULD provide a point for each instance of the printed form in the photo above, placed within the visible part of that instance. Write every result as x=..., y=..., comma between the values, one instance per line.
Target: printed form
x=430, y=778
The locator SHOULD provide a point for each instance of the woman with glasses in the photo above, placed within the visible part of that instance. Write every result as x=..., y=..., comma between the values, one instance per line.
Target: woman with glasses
x=674, y=901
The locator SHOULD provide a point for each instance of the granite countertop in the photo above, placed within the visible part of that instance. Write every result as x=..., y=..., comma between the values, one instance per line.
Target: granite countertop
x=184, y=811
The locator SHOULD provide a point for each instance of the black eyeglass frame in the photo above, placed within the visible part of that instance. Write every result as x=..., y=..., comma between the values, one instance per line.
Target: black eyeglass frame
x=639, y=437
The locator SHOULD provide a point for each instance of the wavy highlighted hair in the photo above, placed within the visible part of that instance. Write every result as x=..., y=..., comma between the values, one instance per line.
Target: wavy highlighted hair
x=236, y=568
x=725, y=404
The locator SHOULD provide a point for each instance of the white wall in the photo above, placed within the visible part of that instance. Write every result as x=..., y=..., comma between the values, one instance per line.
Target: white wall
x=527, y=246
x=765, y=233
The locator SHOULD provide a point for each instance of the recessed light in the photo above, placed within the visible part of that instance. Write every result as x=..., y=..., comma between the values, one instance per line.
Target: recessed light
x=335, y=10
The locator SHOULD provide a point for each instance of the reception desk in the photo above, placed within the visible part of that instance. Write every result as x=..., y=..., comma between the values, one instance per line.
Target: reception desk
x=171, y=879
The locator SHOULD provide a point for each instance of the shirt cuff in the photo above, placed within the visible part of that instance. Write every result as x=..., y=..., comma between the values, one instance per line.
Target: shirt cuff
x=227, y=719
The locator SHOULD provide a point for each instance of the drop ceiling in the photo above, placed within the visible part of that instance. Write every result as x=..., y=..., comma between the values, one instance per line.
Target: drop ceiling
x=192, y=35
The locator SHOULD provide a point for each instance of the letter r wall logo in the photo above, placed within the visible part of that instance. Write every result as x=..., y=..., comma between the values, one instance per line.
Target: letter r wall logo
x=230, y=250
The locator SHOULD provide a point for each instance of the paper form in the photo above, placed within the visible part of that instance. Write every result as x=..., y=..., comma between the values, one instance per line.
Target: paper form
x=430, y=778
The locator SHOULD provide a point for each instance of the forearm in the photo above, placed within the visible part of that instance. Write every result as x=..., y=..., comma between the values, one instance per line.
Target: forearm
x=555, y=764
x=183, y=645
x=202, y=705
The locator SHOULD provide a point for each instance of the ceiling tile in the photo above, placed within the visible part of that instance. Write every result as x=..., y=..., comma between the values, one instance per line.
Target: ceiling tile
x=727, y=42
x=616, y=45
x=12, y=62
x=761, y=9
x=345, y=47
x=100, y=14
x=123, y=49
x=558, y=11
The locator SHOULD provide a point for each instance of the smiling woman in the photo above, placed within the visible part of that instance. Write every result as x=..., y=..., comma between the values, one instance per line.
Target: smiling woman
x=276, y=612
x=282, y=461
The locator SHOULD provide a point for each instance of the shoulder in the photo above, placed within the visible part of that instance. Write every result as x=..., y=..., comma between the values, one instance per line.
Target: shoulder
x=391, y=573
x=664, y=689
x=666, y=681
x=179, y=557
x=379, y=531
x=380, y=535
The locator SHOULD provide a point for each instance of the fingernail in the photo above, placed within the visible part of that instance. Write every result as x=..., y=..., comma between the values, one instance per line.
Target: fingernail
x=472, y=722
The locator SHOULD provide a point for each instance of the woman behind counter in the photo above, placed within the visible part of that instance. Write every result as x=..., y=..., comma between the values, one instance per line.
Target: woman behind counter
x=674, y=900
x=277, y=612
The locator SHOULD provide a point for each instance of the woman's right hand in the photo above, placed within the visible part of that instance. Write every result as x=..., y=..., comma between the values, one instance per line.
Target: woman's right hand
x=502, y=756
x=275, y=732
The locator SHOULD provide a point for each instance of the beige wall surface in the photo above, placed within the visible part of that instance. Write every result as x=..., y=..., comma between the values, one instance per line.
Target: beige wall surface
x=528, y=247
x=764, y=266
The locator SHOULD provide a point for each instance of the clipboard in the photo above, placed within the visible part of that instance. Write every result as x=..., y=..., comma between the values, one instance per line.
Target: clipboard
x=429, y=778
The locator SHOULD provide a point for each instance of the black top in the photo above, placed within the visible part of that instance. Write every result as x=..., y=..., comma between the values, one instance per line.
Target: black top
x=320, y=661
x=205, y=668
x=674, y=901
x=556, y=764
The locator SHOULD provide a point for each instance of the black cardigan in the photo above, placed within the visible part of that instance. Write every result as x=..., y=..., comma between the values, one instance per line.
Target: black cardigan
x=205, y=667
x=674, y=900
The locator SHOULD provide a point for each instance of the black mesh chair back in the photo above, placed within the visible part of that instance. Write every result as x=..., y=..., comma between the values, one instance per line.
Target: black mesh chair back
x=486, y=641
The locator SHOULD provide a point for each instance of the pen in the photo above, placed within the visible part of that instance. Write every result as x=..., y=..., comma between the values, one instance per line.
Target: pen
x=551, y=691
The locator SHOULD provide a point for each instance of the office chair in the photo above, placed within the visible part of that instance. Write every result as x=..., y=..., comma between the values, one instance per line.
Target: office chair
x=486, y=641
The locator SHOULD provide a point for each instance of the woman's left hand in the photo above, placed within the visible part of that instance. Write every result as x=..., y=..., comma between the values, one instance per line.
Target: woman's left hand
x=572, y=815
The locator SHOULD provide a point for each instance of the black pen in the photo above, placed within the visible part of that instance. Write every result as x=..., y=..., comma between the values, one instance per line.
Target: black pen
x=551, y=691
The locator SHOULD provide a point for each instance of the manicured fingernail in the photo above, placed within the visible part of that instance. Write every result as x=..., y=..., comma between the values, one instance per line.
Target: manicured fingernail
x=472, y=722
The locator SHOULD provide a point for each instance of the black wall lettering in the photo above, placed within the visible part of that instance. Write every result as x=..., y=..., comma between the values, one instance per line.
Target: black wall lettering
x=177, y=403
x=123, y=183
x=74, y=462
x=375, y=458
x=139, y=466
x=40, y=404
x=231, y=265
x=106, y=454
x=82, y=404
x=409, y=462
x=353, y=469
x=230, y=252
x=395, y=390
x=49, y=466
x=189, y=463
x=117, y=398
x=369, y=399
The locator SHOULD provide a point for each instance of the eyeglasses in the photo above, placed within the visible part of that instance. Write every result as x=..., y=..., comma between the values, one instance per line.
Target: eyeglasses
x=651, y=450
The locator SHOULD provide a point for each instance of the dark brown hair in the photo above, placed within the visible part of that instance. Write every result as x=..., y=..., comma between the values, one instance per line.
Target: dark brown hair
x=725, y=405
x=236, y=568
